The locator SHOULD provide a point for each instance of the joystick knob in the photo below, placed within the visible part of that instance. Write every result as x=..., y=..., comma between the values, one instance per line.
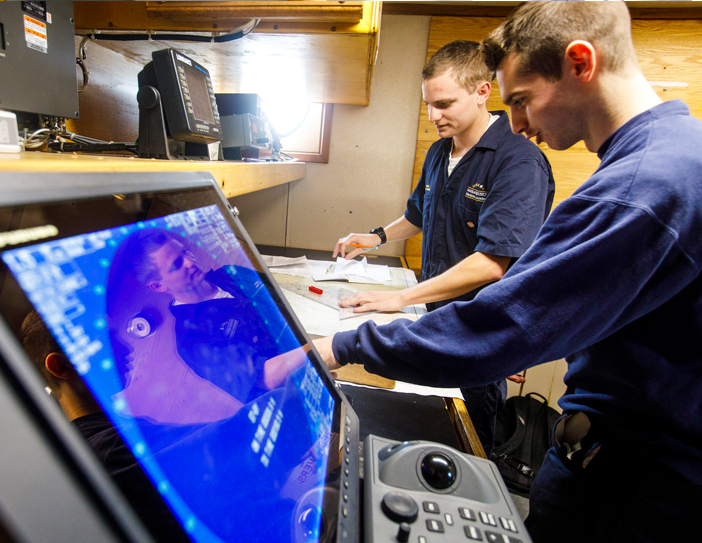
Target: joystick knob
x=438, y=470
x=399, y=507
x=403, y=533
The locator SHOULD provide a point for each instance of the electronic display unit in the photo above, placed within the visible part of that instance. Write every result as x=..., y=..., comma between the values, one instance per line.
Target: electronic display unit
x=38, y=58
x=233, y=422
x=187, y=96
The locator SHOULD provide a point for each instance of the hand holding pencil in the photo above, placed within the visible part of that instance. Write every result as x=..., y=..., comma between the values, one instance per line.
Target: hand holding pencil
x=355, y=244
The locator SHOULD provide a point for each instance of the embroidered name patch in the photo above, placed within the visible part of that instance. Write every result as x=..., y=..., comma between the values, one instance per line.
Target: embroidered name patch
x=476, y=192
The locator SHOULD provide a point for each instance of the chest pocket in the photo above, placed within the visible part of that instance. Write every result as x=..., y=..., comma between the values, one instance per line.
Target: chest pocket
x=469, y=225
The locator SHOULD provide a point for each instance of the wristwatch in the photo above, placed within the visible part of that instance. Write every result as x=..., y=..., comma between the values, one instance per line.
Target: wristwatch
x=380, y=231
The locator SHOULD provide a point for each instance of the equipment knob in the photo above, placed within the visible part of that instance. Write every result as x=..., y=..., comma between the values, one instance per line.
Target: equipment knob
x=403, y=533
x=438, y=470
x=148, y=97
x=399, y=507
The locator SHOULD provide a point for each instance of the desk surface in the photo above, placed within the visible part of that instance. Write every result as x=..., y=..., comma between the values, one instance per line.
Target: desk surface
x=234, y=178
x=321, y=320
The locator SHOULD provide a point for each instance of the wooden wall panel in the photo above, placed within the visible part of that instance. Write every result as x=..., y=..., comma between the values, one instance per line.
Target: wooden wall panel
x=108, y=106
x=331, y=63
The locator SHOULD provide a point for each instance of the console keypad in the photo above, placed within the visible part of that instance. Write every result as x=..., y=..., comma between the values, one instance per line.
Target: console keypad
x=472, y=531
x=439, y=518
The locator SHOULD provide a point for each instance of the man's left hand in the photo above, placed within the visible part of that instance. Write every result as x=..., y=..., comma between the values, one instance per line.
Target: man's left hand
x=374, y=301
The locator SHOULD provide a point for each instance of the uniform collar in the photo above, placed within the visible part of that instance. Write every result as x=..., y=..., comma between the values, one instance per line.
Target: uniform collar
x=492, y=136
x=666, y=109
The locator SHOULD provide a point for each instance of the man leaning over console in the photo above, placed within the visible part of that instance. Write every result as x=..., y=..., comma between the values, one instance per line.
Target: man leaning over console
x=612, y=283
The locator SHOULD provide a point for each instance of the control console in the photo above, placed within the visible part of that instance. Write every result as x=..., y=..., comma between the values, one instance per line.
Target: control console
x=424, y=492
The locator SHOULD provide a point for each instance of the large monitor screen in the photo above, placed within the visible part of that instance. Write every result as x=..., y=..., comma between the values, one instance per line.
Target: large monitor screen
x=173, y=326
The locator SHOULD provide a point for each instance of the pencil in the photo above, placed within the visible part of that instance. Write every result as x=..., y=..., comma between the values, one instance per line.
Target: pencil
x=362, y=246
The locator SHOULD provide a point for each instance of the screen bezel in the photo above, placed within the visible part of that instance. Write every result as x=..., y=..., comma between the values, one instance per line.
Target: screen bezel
x=64, y=189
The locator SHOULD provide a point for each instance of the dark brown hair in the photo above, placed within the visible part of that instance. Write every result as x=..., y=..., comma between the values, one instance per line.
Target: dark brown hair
x=39, y=343
x=541, y=31
x=463, y=61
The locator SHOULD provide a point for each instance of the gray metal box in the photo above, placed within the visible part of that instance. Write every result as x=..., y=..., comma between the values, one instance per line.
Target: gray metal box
x=38, y=59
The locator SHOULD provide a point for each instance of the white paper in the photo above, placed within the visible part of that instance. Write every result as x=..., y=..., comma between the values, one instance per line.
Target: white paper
x=288, y=266
x=354, y=271
x=274, y=261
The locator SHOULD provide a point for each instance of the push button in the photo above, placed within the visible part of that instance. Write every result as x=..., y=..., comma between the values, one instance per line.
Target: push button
x=435, y=526
x=466, y=513
x=493, y=537
x=488, y=518
x=508, y=524
x=472, y=533
x=431, y=507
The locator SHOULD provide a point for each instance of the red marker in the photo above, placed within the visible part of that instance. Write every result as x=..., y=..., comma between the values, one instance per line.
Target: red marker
x=316, y=290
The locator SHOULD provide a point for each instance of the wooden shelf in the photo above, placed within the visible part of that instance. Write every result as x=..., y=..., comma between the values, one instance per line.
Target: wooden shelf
x=235, y=178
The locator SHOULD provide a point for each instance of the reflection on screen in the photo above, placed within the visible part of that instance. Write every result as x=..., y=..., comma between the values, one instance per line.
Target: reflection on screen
x=175, y=334
x=200, y=98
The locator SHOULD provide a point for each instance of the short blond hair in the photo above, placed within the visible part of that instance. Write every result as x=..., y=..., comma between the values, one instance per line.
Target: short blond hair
x=463, y=61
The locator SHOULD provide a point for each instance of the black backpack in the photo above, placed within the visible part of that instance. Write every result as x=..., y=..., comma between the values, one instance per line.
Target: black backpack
x=523, y=434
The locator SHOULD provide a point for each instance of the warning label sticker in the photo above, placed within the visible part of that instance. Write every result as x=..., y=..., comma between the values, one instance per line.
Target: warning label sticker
x=35, y=34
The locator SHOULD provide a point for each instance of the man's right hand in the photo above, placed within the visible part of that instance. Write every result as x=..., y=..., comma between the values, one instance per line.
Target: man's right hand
x=343, y=245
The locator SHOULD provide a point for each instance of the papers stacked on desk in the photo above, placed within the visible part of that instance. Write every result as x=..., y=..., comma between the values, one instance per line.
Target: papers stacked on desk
x=288, y=266
x=352, y=271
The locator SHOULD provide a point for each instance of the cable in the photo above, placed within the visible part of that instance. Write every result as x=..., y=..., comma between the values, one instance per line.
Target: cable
x=235, y=34
x=69, y=147
x=287, y=155
x=34, y=140
x=82, y=56
x=80, y=63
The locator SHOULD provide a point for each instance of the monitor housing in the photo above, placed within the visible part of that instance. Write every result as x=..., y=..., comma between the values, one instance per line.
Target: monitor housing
x=187, y=104
x=37, y=59
x=60, y=243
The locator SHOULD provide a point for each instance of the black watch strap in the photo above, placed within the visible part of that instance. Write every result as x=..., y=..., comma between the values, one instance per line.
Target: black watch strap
x=381, y=234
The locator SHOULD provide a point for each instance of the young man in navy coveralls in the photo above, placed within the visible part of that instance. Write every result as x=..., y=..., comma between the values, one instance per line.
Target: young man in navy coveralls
x=612, y=282
x=482, y=197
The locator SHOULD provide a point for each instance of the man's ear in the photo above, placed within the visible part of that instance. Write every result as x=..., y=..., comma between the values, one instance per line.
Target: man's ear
x=581, y=60
x=483, y=91
x=58, y=366
x=156, y=286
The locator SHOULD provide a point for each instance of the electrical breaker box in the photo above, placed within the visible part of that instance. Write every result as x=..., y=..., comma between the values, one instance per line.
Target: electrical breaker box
x=38, y=59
